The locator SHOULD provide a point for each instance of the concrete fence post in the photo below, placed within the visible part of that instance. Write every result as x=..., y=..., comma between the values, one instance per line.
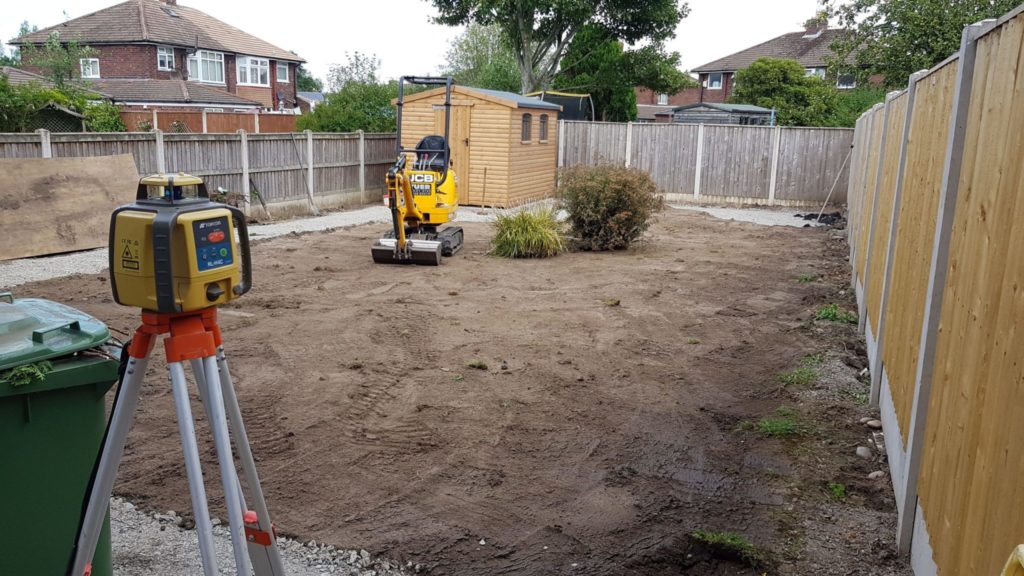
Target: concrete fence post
x=46, y=151
x=561, y=143
x=243, y=140
x=700, y=160
x=629, y=143
x=161, y=159
x=776, y=143
x=937, y=279
x=256, y=118
x=362, y=161
x=310, y=176
x=155, y=119
x=205, y=131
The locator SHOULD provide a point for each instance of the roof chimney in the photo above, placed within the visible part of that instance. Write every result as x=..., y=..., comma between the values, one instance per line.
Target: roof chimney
x=813, y=27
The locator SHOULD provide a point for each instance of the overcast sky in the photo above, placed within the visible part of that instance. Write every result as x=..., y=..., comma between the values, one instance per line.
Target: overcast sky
x=400, y=32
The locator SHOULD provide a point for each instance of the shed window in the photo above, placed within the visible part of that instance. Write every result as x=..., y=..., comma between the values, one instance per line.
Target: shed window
x=527, y=120
x=543, y=127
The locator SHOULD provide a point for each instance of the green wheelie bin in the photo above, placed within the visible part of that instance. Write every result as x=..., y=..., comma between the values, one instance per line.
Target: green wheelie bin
x=53, y=380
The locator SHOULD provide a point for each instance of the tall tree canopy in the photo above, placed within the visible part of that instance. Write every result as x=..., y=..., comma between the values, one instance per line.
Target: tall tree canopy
x=896, y=38
x=482, y=57
x=306, y=82
x=598, y=64
x=358, y=67
x=357, y=101
x=540, y=31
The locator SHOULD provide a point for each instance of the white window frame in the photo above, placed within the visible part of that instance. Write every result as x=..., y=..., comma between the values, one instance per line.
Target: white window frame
x=202, y=57
x=277, y=74
x=249, y=66
x=816, y=72
x=162, y=53
x=850, y=86
x=711, y=82
x=662, y=99
x=86, y=64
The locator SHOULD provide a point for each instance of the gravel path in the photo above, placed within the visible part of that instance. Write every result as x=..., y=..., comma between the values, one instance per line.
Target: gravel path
x=156, y=545
x=764, y=216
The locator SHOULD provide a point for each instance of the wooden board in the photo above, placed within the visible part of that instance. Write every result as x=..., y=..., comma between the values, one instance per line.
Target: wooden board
x=915, y=235
x=867, y=194
x=54, y=205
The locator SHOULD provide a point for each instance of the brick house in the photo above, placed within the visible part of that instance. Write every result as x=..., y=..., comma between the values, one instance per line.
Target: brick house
x=154, y=54
x=811, y=48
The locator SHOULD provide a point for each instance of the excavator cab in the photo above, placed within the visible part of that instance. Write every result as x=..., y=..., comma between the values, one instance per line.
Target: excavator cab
x=421, y=195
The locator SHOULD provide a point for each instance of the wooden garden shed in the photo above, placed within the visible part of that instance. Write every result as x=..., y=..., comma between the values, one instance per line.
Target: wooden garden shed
x=504, y=145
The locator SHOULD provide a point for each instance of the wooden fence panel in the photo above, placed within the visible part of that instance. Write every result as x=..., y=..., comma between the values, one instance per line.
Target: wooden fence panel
x=867, y=192
x=77, y=145
x=915, y=233
x=810, y=159
x=594, y=143
x=137, y=121
x=883, y=220
x=973, y=461
x=229, y=122
x=20, y=146
x=181, y=122
x=277, y=123
x=858, y=167
x=737, y=161
x=668, y=152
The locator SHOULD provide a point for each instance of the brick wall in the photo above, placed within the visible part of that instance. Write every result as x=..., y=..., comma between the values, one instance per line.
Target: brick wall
x=681, y=98
x=717, y=96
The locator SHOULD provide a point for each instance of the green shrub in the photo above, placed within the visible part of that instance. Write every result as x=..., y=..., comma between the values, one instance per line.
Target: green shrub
x=609, y=206
x=528, y=234
x=833, y=313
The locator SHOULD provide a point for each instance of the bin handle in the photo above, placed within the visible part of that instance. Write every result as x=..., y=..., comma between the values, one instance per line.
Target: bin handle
x=7, y=296
x=39, y=336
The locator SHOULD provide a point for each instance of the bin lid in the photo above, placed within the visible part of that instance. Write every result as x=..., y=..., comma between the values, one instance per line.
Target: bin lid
x=33, y=329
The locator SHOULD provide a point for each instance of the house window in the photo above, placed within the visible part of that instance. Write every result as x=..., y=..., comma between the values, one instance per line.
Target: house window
x=846, y=82
x=715, y=81
x=662, y=99
x=282, y=72
x=253, y=71
x=527, y=120
x=206, y=66
x=164, y=58
x=90, y=67
x=816, y=72
x=543, y=127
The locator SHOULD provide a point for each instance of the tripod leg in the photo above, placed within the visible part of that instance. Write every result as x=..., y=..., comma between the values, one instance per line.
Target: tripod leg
x=200, y=375
x=229, y=478
x=110, y=460
x=265, y=556
x=193, y=468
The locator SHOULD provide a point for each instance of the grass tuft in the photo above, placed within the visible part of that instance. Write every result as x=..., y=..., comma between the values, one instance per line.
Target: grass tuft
x=729, y=545
x=784, y=422
x=477, y=365
x=805, y=375
x=837, y=491
x=833, y=313
x=806, y=278
x=528, y=234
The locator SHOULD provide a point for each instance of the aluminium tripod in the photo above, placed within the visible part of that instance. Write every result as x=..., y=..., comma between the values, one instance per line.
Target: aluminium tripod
x=194, y=337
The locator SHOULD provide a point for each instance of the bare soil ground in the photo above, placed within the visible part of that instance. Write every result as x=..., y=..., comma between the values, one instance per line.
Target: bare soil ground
x=578, y=415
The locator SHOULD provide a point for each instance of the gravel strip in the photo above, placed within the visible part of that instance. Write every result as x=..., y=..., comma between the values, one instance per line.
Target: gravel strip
x=762, y=216
x=156, y=545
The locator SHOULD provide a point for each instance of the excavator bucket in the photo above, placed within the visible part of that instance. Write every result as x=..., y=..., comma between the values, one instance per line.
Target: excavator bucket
x=423, y=252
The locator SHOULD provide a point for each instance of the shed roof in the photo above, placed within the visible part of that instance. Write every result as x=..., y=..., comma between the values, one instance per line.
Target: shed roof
x=510, y=99
x=740, y=108
x=152, y=21
x=310, y=96
x=810, y=50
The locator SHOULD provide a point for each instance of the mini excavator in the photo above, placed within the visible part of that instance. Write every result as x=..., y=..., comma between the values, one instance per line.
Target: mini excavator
x=421, y=197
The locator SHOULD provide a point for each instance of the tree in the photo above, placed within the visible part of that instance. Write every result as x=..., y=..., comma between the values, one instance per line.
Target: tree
x=14, y=58
x=539, y=32
x=798, y=99
x=58, y=60
x=360, y=68
x=357, y=106
x=306, y=82
x=600, y=65
x=481, y=57
x=895, y=38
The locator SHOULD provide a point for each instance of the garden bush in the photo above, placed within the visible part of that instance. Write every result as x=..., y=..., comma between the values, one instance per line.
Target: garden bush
x=528, y=234
x=609, y=207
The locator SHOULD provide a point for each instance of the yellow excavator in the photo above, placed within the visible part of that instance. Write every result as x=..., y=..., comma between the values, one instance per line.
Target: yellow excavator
x=423, y=196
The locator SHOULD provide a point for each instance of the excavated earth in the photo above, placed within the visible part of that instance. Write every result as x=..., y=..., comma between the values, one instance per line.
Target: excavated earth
x=583, y=414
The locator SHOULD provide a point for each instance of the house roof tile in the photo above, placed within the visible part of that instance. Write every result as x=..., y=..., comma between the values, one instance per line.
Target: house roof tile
x=16, y=76
x=810, y=51
x=128, y=90
x=152, y=21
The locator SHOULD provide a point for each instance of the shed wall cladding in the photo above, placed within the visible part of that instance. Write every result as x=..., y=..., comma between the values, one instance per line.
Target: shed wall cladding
x=534, y=163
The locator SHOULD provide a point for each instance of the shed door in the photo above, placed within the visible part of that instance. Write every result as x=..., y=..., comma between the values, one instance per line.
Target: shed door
x=458, y=140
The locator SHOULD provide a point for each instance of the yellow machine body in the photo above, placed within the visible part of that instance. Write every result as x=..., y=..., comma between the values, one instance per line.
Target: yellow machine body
x=435, y=202
x=174, y=250
x=196, y=262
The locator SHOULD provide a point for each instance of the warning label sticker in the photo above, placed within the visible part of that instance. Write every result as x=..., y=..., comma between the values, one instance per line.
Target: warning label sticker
x=129, y=259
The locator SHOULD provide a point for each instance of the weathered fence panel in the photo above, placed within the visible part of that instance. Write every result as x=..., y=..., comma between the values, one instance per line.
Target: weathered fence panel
x=748, y=164
x=277, y=166
x=208, y=122
x=938, y=252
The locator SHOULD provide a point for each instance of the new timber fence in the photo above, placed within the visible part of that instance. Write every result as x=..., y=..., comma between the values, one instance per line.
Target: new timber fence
x=286, y=170
x=715, y=163
x=936, y=233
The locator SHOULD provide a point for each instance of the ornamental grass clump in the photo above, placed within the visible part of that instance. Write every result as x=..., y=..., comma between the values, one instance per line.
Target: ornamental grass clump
x=528, y=234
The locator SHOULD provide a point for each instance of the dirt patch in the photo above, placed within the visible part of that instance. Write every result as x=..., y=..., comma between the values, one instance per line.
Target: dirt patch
x=597, y=439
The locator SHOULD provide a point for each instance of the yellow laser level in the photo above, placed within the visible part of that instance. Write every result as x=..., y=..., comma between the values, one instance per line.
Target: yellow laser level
x=174, y=250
